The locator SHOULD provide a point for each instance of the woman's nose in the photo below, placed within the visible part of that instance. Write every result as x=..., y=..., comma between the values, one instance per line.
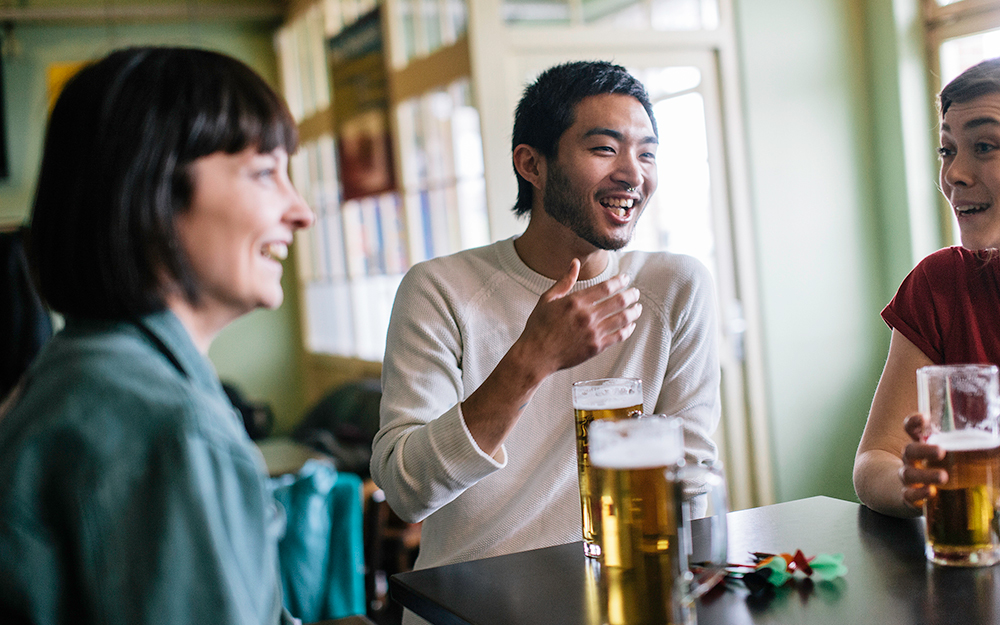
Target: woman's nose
x=958, y=171
x=299, y=214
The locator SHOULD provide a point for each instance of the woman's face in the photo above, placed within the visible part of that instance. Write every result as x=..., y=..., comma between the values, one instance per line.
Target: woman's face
x=238, y=227
x=970, y=169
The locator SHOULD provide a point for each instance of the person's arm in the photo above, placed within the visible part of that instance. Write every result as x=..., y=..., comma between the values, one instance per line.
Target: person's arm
x=434, y=442
x=562, y=331
x=888, y=473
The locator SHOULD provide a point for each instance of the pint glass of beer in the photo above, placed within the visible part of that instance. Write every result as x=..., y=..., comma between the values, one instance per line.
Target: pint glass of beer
x=961, y=404
x=608, y=398
x=641, y=483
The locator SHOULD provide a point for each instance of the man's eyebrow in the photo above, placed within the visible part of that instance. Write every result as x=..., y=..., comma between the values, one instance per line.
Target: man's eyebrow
x=614, y=134
x=974, y=123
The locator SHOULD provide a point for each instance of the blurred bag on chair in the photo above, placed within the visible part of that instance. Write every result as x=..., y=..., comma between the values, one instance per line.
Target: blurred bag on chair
x=343, y=425
x=322, y=554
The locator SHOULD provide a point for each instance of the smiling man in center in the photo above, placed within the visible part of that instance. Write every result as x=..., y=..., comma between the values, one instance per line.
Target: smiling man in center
x=477, y=432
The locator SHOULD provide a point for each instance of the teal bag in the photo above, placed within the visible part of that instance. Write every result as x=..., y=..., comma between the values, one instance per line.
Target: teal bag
x=321, y=556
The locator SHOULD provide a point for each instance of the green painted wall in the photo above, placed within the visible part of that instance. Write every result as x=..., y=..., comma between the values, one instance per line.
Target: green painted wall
x=834, y=225
x=259, y=352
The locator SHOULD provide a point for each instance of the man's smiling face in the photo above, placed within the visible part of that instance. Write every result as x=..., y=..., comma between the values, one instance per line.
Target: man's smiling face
x=604, y=170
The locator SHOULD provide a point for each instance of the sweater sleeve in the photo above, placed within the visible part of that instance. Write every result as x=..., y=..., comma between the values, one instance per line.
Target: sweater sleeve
x=691, y=383
x=423, y=455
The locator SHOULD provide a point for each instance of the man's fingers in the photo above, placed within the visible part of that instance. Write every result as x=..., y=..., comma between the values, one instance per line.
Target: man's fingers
x=569, y=328
x=621, y=319
x=611, y=288
x=603, y=291
x=627, y=331
x=617, y=311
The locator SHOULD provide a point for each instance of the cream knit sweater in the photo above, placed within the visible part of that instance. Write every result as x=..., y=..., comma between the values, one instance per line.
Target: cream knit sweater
x=453, y=320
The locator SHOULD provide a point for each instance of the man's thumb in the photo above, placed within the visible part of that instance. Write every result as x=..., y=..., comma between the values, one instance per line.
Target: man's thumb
x=565, y=284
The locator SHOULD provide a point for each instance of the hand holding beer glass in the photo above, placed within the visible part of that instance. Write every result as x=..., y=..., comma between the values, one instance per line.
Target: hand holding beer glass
x=961, y=406
x=608, y=398
x=641, y=484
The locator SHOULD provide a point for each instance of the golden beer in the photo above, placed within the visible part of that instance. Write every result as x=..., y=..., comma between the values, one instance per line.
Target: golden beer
x=588, y=505
x=607, y=398
x=639, y=501
x=963, y=526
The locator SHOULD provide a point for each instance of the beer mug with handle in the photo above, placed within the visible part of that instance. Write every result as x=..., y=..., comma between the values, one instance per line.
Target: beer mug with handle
x=961, y=406
x=651, y=505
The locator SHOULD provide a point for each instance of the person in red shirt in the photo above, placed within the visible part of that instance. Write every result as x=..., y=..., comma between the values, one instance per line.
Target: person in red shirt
x=947, y=311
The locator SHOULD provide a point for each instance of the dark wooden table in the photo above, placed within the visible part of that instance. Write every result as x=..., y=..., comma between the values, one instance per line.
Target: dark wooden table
x=888, y=581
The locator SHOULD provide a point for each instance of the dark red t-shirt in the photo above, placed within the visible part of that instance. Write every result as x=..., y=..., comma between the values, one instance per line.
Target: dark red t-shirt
x=949, y=307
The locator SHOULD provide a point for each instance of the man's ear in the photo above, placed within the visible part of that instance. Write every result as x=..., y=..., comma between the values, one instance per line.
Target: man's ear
x=530, y=164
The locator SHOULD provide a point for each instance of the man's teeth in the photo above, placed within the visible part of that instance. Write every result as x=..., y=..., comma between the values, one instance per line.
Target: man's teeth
x=621, y=205
x=275, y=251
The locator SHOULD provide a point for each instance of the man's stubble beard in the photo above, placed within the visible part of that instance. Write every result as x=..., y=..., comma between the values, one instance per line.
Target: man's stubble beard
x=564, y=204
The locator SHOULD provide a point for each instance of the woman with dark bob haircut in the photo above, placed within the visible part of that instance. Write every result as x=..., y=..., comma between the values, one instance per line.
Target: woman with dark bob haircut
x=129, y=491
x=947, y=311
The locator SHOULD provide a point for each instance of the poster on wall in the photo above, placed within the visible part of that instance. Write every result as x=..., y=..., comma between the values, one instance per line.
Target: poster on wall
x=361, y=108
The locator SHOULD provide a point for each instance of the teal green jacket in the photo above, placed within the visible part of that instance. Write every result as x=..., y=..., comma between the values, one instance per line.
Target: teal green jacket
x=129, y=490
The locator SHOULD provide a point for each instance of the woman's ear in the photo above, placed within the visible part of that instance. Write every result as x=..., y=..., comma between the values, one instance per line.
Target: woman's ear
x=530, y=164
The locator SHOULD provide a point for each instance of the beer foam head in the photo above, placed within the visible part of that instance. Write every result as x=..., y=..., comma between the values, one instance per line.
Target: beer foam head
x=607, y=394
x=635, y=444
x=964, y=440
x=607, y=402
